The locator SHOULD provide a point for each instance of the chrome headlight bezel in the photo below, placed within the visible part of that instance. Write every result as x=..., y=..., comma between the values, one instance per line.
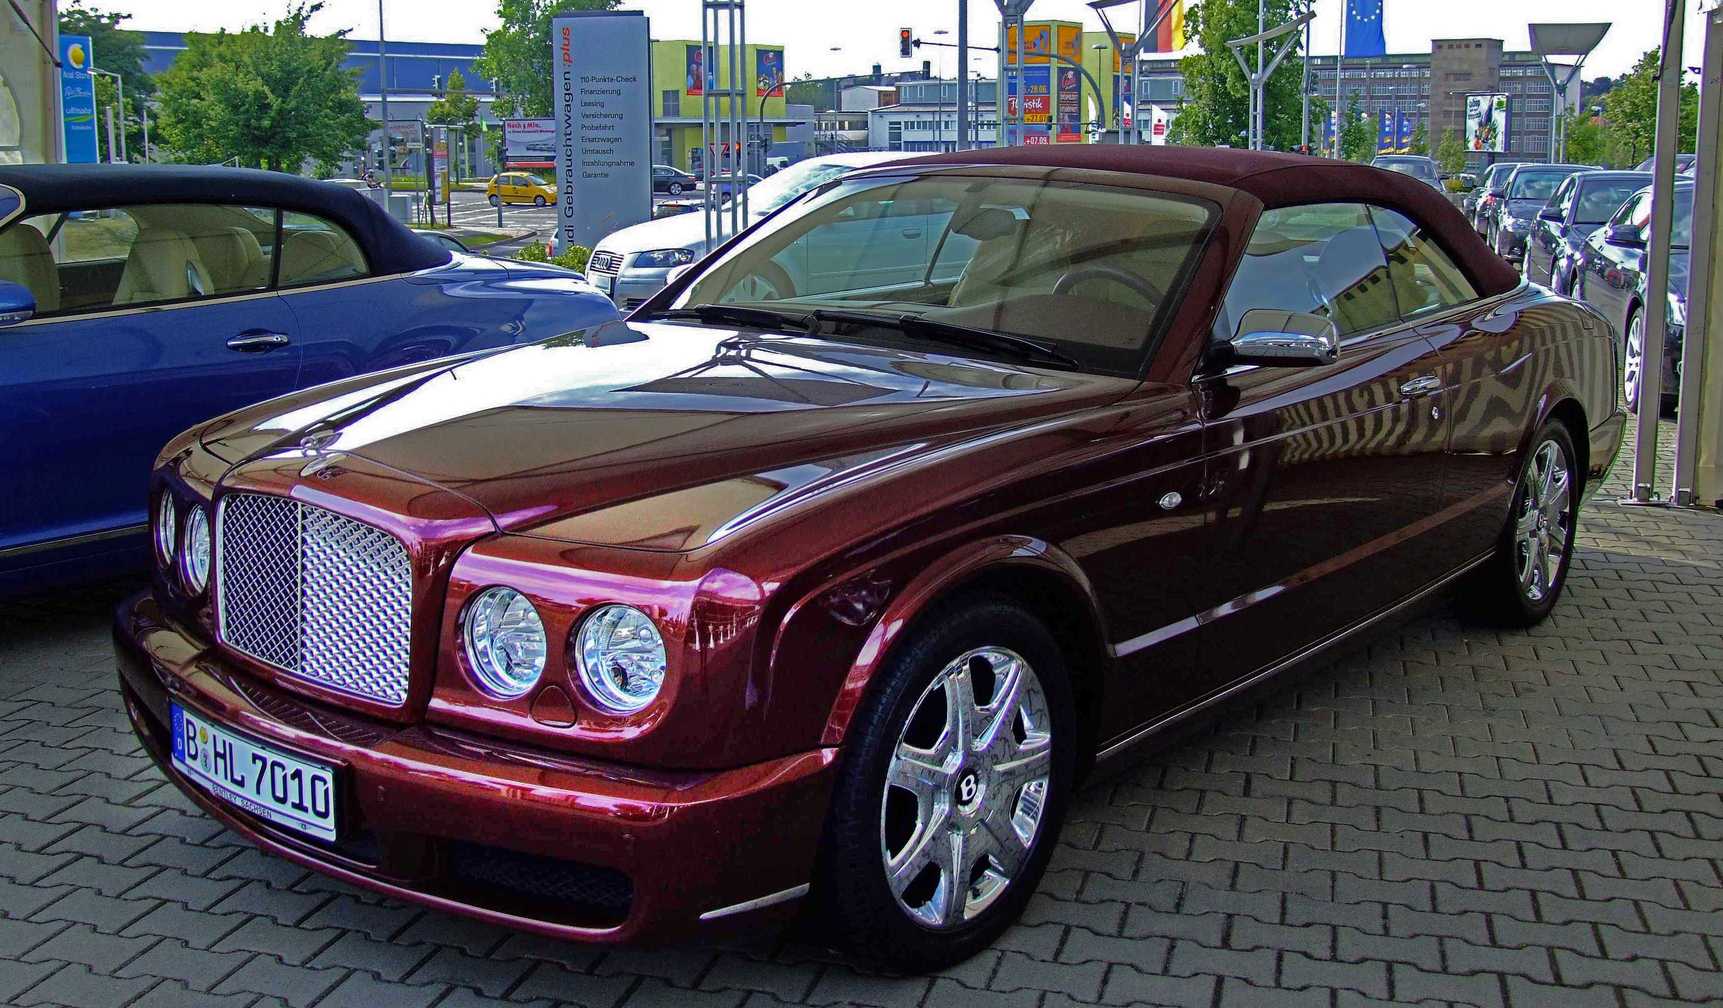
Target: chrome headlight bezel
x=663, y=258
x=196, y=553
x=166, y=528
x=593, y=642
x=486, y=618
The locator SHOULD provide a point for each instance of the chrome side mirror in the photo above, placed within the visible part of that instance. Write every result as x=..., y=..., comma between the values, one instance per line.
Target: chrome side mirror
x=1269, y=337
x=17, y=304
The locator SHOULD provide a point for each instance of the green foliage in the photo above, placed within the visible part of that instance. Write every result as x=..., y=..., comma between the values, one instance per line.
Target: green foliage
x=1631, y=108
x=1451, y=153
x=1589, y=143
x=456, y=107
x=1357, y=135
x=1420, y=140
x=116, y=51
x=270, y=96
x=517, y=52
x=804, y=90
x=1217, y=94
x=574, y=259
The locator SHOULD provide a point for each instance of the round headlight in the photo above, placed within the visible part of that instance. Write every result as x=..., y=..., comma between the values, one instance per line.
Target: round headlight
x=505, y=642
x=167, y=527
x=194, y=559
x=621, y=658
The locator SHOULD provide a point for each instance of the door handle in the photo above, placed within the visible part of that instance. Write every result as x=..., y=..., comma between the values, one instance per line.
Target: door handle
x=258, y=341
x=912, y=232
x=1420, y=386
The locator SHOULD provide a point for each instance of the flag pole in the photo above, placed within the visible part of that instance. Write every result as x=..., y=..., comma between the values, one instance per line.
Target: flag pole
x=1339, y=54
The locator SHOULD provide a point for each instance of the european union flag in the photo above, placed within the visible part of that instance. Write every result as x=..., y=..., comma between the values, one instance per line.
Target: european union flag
x=1364, y=28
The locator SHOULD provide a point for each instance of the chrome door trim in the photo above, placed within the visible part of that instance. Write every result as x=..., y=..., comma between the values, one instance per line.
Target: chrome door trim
x=772, y=899
x=15, y=214
x=77, y=540
x=1185, y=713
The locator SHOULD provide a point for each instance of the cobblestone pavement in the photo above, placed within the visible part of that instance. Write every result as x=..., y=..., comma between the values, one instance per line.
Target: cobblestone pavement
x=1439, y=815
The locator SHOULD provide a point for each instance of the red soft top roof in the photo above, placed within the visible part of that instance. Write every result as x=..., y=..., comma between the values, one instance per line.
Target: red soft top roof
x=1276, y=180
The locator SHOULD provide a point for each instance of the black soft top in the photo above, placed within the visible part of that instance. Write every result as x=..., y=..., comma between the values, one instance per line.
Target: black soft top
x=388, y=245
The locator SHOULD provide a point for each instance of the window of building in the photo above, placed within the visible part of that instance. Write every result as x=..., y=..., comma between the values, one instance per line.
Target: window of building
x=670, y=103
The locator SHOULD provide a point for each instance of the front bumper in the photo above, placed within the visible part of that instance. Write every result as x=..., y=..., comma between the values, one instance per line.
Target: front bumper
x=505, y=833
x=1510, y=245
x=630, y=288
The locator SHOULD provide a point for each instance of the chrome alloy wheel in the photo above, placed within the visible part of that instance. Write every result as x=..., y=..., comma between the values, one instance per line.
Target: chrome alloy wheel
x=1633, y=357
x=966, y=787
x=1541, y=528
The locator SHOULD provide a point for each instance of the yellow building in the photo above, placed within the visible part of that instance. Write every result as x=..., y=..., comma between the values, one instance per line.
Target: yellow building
x=682, y=77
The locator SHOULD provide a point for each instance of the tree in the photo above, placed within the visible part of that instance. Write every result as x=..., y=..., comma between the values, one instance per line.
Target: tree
x=517, y=53
x=458, y=109
x=1420, y=140
x=1451, y=153
x=804, y=90
x=1217, y=95
x=116, y=51
x=1357, y=136
x=1589, y=143
x=272, y=96
x=1631, y=109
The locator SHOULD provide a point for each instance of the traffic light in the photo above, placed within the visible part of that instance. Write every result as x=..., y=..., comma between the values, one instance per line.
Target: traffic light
x=905, y=43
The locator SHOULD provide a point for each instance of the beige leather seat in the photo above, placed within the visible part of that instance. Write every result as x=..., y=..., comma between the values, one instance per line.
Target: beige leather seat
x=234, y=259
x=164, y=265
x=26, y=259
x=318, y=256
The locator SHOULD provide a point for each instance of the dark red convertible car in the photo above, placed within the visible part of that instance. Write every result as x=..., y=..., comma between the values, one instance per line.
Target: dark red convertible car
x=819, y=582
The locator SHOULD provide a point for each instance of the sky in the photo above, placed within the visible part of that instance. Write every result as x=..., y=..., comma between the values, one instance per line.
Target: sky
x=828, y=37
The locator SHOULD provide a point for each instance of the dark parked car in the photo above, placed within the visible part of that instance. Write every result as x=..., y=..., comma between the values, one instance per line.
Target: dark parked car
x=1612, y=279
x=1492, y=190
x=140, y=301
x=1513, y=215
x=1581, y=203
x=674, y=181
x=823, y=582
x=1683, y=164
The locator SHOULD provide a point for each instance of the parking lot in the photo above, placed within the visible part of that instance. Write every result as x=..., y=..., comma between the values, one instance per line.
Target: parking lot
x=470, y=210
x=1440, y=814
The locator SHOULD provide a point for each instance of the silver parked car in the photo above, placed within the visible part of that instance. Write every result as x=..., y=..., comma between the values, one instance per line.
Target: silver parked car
x=631, y=264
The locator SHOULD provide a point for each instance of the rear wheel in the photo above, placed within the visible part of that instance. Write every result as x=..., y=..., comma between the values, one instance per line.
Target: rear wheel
x=1522, y=580
x=956, y=776
x=675, y=188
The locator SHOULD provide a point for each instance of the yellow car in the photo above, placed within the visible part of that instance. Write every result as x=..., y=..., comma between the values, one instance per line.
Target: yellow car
x=519, y=187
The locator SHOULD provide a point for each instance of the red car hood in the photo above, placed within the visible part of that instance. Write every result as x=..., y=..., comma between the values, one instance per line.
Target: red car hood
x=625, y=412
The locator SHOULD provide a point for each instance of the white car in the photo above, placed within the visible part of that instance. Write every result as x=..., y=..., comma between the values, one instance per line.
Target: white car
x=632, y=264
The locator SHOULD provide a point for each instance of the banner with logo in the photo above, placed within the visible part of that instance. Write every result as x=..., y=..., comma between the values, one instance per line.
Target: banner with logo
x=1160, y=120
x=529, y=143
x=698, y=67
x=768, y=71
x=1170, y=32
x=1403, y=134
x=1487, y=123
x=1385, y=131
x=78, y=99
x=1070, y=105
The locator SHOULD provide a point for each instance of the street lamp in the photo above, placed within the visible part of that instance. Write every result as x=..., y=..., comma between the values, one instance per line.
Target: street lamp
x=939, y=104
x=1575, y=40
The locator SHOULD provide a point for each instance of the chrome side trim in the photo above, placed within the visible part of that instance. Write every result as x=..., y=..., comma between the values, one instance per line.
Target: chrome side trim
x=782, y=896
x=1310, y=652
x=77, y=540
x=15, y=214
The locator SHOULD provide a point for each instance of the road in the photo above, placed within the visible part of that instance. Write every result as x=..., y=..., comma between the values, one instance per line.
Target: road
x=471, y=210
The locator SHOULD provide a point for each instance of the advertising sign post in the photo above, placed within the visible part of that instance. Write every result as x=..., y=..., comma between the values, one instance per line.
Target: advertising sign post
x=78, y=99
x=1487, y=123
x=601, y=80
x=529, y=143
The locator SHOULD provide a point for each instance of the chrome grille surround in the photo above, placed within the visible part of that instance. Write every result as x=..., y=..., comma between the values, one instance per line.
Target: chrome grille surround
x=604, y=261
x=315, y=594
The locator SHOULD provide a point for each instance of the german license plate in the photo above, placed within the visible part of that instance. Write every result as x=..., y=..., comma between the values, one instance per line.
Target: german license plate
x=269, y=784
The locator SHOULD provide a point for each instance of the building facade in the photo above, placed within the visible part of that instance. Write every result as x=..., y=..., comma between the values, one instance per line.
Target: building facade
x=924, y=118
x=29, y=83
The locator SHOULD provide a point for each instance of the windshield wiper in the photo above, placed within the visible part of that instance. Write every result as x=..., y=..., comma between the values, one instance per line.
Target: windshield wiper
x=759, y=318
x=954, y=334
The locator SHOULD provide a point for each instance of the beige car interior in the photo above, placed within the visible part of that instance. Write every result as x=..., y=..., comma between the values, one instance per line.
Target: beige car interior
x=26, y=259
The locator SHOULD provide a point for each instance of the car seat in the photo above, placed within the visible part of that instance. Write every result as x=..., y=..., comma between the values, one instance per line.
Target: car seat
x=26, y=259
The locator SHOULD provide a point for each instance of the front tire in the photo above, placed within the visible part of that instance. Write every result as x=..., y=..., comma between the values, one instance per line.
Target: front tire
x=675, y=188
x=495, y=200
x=957, y=772
x=1524, y=577
x=538, y=201
x=1632, y=359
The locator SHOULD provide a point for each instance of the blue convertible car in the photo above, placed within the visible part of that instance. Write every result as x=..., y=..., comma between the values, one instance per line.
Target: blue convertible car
x=136, y=302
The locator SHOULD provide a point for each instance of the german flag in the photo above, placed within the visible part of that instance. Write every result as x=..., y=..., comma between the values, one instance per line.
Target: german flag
x=1169, y=34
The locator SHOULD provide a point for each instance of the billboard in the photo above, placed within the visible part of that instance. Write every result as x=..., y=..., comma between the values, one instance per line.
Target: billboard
x=1040, y=37
x=1487, y=123
x=529, y=142
x=1385, y=131
x=601, y=102
x=78, y=99
x=768, y=71
x=697, y=68
x=1037, y=102
x=1070, y=110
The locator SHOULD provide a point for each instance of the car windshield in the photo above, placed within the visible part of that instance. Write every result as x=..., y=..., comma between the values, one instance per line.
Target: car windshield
x=770, y=194
x=1681, y=233
x=1599, y=201
x=533, y=180
x=1535, y=185
x=1088, y=272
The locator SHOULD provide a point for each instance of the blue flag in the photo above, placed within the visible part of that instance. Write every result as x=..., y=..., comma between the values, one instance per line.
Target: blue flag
x=1364, y=28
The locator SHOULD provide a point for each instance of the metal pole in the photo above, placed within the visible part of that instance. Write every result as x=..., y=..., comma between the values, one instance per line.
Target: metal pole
x=962, y=73
x=1697, y=358
x=1657, y=275
x=383, y=97
x=1022, y=82
x=1339, y=109
x=1304, y=94
x=1256, y=121
x=144, y=109
x=112, y=150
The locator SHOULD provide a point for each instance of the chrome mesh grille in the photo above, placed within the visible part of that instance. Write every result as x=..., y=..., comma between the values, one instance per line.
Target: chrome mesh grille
x=604, y=262
x=315, y=594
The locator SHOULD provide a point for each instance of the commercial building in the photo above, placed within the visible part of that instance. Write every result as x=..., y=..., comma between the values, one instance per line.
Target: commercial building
x=29, y=106
x=682, y=76
x=924, y=118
